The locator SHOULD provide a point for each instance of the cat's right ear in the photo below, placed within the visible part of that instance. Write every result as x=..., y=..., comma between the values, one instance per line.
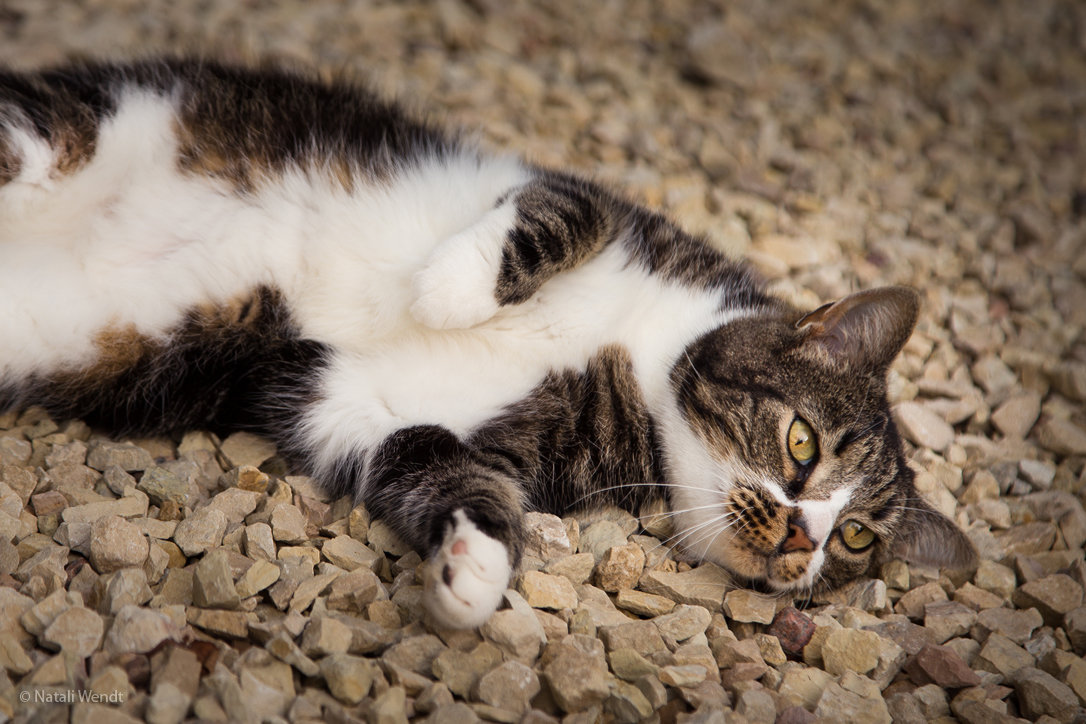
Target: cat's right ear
x=927, y=537
x=862, y=331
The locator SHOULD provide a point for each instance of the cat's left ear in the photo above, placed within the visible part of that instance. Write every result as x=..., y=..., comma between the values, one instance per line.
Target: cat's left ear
x=927, y=537
x=864, y=330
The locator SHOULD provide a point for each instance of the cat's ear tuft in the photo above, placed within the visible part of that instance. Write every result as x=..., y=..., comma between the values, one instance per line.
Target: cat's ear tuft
x=928, y=538
x=864, y=330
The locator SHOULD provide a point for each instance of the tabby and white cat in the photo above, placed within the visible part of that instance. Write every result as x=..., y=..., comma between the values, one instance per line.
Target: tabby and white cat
x=454, y=337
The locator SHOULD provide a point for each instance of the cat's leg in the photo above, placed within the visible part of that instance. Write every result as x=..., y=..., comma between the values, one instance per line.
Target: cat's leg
x=449, y=504
x=549, y=225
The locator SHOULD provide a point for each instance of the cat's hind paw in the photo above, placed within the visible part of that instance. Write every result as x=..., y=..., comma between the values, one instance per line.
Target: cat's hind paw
x=466, y=578
x=456, y=288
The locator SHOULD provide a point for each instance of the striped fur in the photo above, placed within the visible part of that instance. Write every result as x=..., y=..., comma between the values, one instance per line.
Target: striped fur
x=453, y=337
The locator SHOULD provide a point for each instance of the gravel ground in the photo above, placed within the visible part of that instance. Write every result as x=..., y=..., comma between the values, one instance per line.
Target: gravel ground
x=840, y=145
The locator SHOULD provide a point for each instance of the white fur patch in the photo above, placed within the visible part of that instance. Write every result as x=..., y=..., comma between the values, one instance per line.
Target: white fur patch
x=461, y=378
x=37, y=160
x=456, y=288
x=465, y=580
x=820, y=516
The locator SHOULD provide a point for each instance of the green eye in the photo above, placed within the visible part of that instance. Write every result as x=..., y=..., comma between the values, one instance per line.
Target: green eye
x=856, y=536
x=801, y=442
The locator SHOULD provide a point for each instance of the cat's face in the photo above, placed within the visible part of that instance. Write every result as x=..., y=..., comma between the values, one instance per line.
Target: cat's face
x=789, y=471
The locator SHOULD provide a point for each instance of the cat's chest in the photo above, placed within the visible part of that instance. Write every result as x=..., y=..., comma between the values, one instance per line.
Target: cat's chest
x=461, y=378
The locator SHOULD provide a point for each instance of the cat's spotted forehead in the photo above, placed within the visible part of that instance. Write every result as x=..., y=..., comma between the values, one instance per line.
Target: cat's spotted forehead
x=742, y=386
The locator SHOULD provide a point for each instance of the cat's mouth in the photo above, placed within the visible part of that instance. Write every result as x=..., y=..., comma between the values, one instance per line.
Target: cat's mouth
x=769, y=543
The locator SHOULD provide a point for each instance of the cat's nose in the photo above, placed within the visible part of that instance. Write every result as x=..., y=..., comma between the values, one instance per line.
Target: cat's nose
x=797, y=539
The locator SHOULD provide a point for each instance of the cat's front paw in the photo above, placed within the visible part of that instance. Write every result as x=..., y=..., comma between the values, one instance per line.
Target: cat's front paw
x=466, y=578
x=456, y=289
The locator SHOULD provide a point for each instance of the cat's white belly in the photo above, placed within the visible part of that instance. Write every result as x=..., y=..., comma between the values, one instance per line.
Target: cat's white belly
x=462, y=378
x=130, y=241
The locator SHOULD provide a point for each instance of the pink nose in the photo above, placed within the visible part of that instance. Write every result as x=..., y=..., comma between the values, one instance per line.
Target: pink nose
x=797, y=540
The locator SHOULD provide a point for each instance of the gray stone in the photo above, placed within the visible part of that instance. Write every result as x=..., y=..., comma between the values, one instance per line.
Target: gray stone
x=115, y=543
x=1062, y=437
x=256, y=578
x=1074, y=622
x=620, y=567
x=1016, y=625
x=308, y=589
x=914, y=603
x=138, y=630
x=460, y=670
x=416, y=653
x=803, y=686
x=1037, y=473
x=520, y=634
x=282, y=647
x=844, y=706
x=244, y=448
x=1017, y=414
x=36, y=618
x=77, y=631
x=1002, y=656
x=627, y=703
x=1041, y=694
x=390, y=707
x=576, y=671
x=948, y=619
x=288, y=524
x=235, y=503
x=200, y=531
x=127, y=586
x=543, y=590
x=641, y=636
x=750, y=607
x=213, y=582
x=1053, y=596
x=324, y=636
x=347, y=553
x=355, y=591
x=577, y=567
x=643, y=604
x=259, y=543
x=998, y=579
x=757, y=706
x=848, y=649
x=547, y=538
x=133, y=504
x=923, y=427
x=167, y=705
x=162, y=484
x=685, y=621
x=348, y=677
x=219, y=622
x=130, y=458
x=630, y=665
x=509, y=687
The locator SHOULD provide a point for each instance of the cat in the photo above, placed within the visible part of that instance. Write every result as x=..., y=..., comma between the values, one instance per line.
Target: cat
x=453, y=337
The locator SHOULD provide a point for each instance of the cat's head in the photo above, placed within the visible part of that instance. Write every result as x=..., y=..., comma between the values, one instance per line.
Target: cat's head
x=785, y=464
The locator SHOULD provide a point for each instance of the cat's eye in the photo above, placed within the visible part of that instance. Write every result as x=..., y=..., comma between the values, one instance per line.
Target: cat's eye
x=856, y=535
x=801, y=442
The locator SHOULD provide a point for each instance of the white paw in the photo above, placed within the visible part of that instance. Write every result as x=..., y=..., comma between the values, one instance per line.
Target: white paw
x=455, y=290
x=465, y=580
